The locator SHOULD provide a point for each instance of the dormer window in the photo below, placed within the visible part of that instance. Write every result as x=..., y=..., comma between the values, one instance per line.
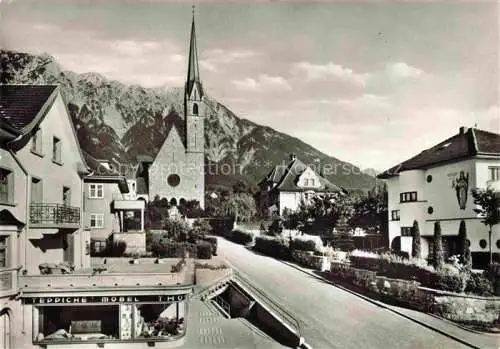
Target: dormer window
x=195, y=108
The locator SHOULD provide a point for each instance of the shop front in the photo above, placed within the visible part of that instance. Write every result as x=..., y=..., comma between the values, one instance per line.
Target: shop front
x=111, y=319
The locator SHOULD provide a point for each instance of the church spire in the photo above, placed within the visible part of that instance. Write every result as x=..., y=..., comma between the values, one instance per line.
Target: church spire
x=193, y=76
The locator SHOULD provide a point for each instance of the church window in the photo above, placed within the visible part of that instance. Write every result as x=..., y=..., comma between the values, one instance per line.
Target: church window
x=195, y=109
x=173, y=180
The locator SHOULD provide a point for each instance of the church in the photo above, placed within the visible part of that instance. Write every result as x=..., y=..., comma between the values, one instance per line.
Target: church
x=177, y=172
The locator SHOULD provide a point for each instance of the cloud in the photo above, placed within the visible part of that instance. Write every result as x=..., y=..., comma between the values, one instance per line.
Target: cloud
x=133, y=47
x=263, y=83
x=329, y=70
x=402, y=70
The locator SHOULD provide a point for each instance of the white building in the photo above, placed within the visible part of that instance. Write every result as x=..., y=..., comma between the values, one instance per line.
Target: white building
x=436, y=185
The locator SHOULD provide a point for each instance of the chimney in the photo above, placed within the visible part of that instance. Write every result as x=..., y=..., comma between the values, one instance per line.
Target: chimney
x=293, y=156
x=462, y=130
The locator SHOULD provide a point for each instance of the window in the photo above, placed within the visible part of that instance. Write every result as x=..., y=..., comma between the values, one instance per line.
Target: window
x=306, y=182
x=311, y=182
x=66, y=196
x=96, y=191
x=36, y=190
x=4, y=251
x=36, y=142
x=430, y=210
x=395, y=215
x=405, y=231
x=173, y=180
x=98, y=246
x=6, y=185
x=483, y=243
x=494, y=173
x=429, y=178
x=408, y=196
x=195, y=109
x=97, y=220
x=56, y=149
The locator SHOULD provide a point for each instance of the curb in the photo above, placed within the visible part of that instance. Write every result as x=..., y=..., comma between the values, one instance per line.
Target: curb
x=382, y=305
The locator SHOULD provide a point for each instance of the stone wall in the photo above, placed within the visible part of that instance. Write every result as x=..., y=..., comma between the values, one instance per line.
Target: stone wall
x=308, y=259
x=457, y=307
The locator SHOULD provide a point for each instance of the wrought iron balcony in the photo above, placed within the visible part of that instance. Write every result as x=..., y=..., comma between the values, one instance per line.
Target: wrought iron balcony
x=45, y=215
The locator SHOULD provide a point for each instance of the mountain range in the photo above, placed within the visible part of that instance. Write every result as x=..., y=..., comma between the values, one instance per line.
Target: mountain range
x=117, y=122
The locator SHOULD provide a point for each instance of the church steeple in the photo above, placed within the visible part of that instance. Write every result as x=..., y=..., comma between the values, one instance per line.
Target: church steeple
x=193, y=75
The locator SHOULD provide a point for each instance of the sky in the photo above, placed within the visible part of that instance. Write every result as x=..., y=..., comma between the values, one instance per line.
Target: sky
x=371, y=83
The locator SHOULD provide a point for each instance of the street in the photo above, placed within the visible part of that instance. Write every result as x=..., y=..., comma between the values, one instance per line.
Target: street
x=331, y=317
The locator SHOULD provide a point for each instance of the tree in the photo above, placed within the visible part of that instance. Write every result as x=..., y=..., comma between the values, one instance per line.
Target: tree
x=415, y=247
x=438, y=246
x=462, y=240
x=488, y=207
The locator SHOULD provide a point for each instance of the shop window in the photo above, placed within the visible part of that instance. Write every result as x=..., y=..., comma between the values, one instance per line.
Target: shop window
x=111, y=322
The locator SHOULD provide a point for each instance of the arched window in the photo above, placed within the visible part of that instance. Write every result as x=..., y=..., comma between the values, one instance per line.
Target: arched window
x=173, y=202
x=5, y=338
x=195, y=109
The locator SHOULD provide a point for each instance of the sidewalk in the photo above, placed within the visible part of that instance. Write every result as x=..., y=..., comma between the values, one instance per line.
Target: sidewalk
x=207, y=329
x=443, y=326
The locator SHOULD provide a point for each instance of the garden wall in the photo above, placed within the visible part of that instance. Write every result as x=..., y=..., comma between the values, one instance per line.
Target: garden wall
x=136, y=241
x=452, y=306
x=308, y=259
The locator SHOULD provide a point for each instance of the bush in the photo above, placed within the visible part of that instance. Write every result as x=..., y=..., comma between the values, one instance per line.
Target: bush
x=241, y=237
x=273, y=247
x=438, y=246
x=204, y=250
x=479, y=284
x=213, y=242
x=177, y=229
x=493, y=275
x=448, y=279
x=169, y=249
x=118, y=249
x=303, y=245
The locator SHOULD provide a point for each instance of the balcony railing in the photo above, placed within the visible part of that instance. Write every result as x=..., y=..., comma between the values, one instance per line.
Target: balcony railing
x=56, y=215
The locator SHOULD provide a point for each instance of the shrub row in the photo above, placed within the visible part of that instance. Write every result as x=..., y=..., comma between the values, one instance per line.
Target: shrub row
x=202, y=249
x=272, y=247
x=445, y=279
x=213, y=241
x=240, y=237
x=303, y=245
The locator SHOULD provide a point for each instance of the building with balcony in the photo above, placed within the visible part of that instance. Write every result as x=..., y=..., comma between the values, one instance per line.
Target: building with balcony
x=286, y=186
x=436, y=185
x=113, y=212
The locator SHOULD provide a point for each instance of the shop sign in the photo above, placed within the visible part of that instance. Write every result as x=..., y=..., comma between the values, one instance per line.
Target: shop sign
x=104, y=299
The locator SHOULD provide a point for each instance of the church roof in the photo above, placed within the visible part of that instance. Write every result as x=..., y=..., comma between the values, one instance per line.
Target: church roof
x=193, y=76
x=466, y=143
x=175, y=121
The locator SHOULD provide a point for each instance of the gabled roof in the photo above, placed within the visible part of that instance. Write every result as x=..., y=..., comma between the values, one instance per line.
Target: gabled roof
x=286, y=178
x=467, y=143
x=141, y=186
x=100, y=172
x=21, y=106
x=175, y=121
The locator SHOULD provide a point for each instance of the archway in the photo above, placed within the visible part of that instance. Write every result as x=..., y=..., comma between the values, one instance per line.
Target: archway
x=173, y=202
x=5, y=335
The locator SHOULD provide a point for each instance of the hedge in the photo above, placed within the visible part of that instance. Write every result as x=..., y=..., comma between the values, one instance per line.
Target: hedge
x=272, y=247
x=241, y=237
x=172, y=249
x=303, y=245
x=204, y=250
x=213, y=241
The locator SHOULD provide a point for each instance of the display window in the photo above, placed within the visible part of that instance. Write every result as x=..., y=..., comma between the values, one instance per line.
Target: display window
x=109, y=322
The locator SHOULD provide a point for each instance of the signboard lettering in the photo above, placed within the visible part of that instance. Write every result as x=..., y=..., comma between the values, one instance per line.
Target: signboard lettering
x=104, y=299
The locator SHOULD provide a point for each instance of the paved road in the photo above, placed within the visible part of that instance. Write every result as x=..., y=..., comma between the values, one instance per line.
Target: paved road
x=331, y=317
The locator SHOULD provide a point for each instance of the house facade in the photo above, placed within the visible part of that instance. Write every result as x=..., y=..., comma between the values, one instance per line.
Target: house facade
x=52, y=294
x=177, y=172
x=288, y=185
x=435, y=186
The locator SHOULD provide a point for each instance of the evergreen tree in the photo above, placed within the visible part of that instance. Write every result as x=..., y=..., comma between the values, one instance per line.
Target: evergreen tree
x=438, y=246
x=415, y=247
x=462, y=240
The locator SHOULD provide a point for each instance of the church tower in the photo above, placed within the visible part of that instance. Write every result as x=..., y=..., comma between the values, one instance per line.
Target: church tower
x=194, y=104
